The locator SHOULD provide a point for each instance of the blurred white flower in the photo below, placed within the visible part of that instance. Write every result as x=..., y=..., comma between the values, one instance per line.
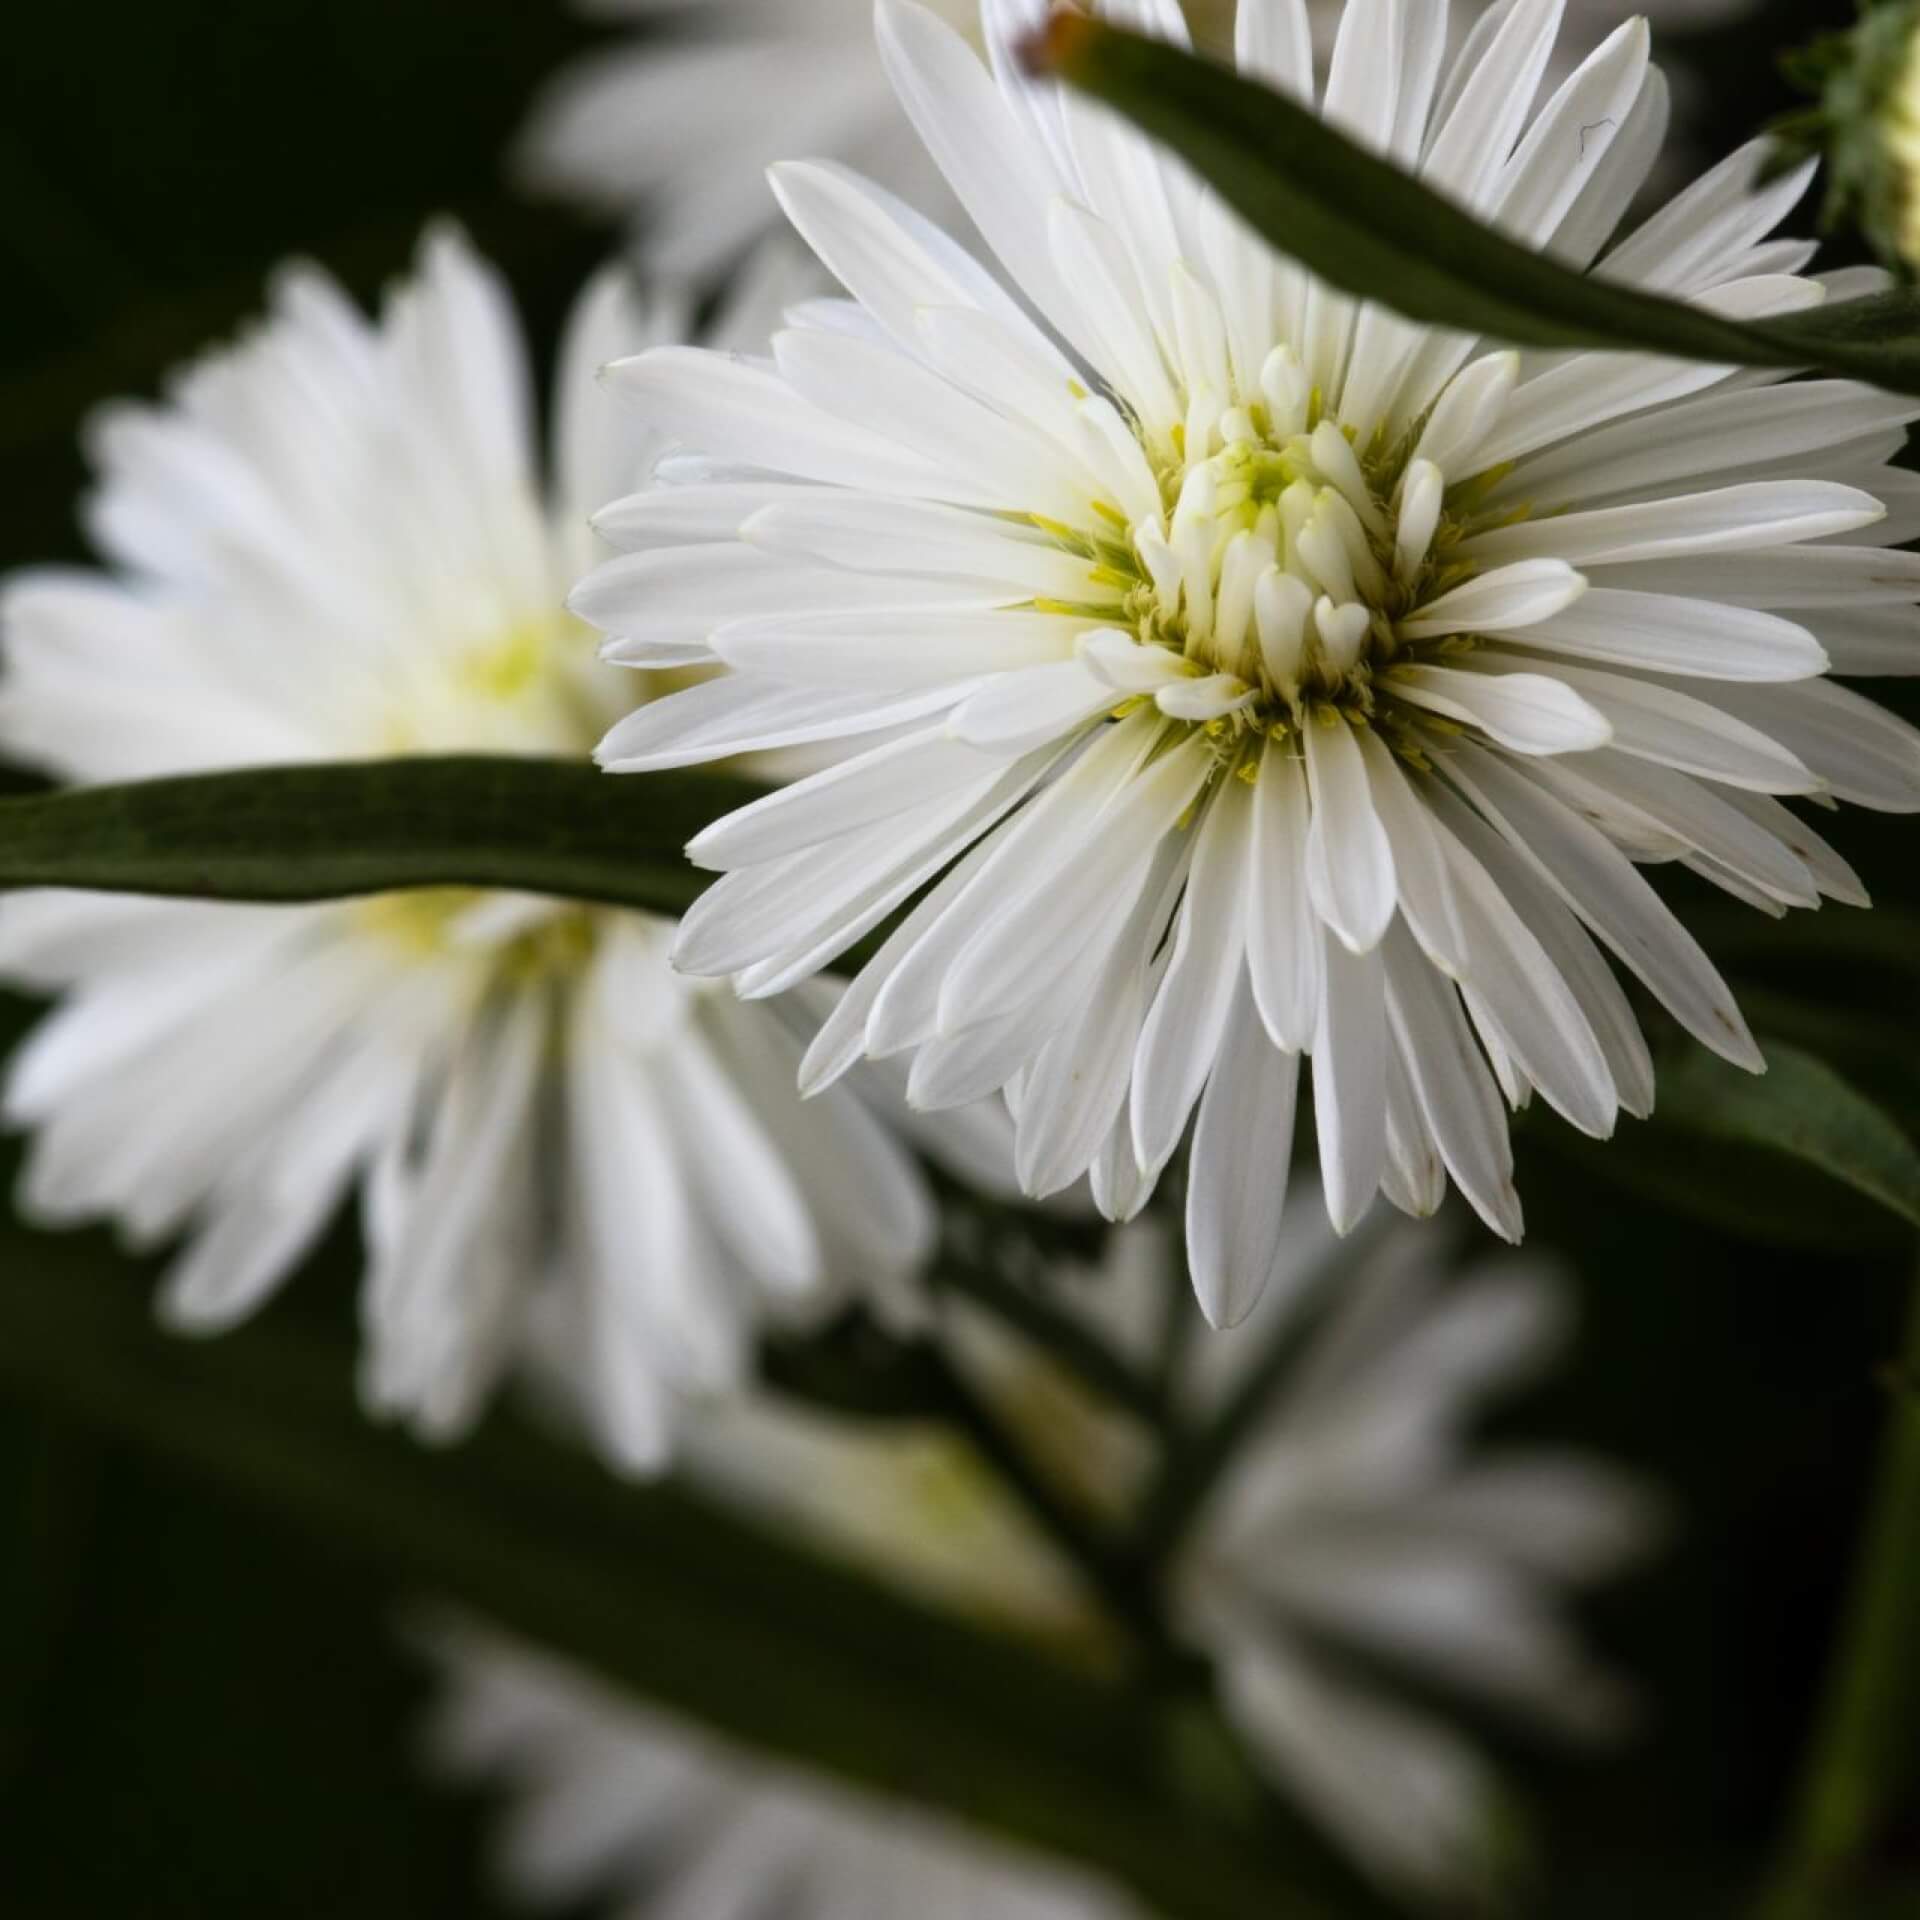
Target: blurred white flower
x=614, y=1801
x=1361, y=1521
x=1357, y=1534
x=677, y=127
x=1279, y=678
x=332, y=541
x=681, y=125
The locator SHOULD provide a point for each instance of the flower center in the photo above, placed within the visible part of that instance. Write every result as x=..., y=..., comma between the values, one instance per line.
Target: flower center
x=1287, y=559
x=1280, y=577
x=515, y=940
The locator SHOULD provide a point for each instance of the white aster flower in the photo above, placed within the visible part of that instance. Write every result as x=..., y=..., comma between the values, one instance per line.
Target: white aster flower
x=1247, y=674
x=678, y=127
x=332, y=542
x=618, y=1802
x=1356, y=1521
x=681, y=125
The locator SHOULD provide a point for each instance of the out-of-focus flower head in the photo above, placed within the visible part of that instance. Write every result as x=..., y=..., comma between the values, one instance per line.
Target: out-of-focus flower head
x=333, y=541
x=1359, y=1533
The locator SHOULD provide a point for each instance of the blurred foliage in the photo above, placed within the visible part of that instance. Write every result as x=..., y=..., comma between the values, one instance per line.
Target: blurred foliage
x=203, y=1710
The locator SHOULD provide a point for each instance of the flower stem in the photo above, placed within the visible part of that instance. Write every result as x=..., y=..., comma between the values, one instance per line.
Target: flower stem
x=1862, y=1754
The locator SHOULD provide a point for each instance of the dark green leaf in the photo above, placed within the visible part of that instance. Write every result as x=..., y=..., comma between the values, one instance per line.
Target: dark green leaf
x=1363, y=224
x=1801, y=1107
x=676, y=1601
x=324, y=831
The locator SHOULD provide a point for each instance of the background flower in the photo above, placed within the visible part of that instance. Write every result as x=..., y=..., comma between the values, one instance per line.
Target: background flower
x=1359, y=1535
x=334, y=542
x=614, y=1800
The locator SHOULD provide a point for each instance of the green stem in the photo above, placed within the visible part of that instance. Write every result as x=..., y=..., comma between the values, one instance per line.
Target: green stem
x=1864, y=1748
x=1058, y=1335
x=1077, y=1537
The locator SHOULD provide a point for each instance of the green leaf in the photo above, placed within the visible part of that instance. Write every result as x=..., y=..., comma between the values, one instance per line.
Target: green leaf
x=1801, y=1107
x=673, y=1600
x=1366, y=226
x=325, y=831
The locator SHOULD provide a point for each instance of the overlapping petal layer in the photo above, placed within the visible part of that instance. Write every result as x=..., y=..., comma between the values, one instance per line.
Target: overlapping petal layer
x=1255, y=676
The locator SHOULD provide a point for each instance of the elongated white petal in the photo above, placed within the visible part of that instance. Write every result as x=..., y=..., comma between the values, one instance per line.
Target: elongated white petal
x=1283, y=939
x=1242, y=1144
x=1450, y=1082
x=1666, y=634
x=744, y=715
x=1349, y=869
x=1183, y=1031
x=1505, y=600
x=1762, y=513
x=1659, y=722
x=1014, y=712
x=1601, y=885
x=1527, y=712
x=858, y=792
x=888, y=650
x=1349, y=1081
x=739, y=411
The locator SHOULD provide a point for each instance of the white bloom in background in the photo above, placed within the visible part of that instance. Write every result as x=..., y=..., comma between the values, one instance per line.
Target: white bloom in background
x=1357, y=1520
x=678, y=127
x=614, y=1801
x=1361, y=1520
x=1251, y=674
x=332, y=542
x=681, y=125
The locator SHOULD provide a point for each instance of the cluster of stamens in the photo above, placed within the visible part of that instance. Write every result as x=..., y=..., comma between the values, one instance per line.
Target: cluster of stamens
x=1274, y=582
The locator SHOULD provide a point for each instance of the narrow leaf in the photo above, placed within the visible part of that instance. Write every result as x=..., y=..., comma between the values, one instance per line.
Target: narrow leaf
x=326, y=831
x=1363, y=224
x=1800, y=1107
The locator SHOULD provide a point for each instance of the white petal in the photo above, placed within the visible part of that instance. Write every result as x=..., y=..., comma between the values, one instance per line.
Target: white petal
x=1283, y=936
x=1184, y=1028
x=1350, y=876
x=1237, y=1187
x=1601, y=886
x=861, y=791
x=1504, y=600
x=884, y=651
x=1762, y=513
x=1527, y=712
x=1666, y=634
x=1349, y=1081
x=1658, y=722
x=743, y=713
x=1451, y=1084
x=1015, y=712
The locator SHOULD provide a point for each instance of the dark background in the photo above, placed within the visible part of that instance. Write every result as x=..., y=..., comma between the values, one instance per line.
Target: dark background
x=201, y=1710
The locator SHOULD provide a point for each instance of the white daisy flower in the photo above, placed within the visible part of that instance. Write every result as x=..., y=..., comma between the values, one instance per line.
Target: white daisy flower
x=1265, y=677
x=616, y=1802
x=332, y=542
x=678, y=127
x=1356, y=1521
